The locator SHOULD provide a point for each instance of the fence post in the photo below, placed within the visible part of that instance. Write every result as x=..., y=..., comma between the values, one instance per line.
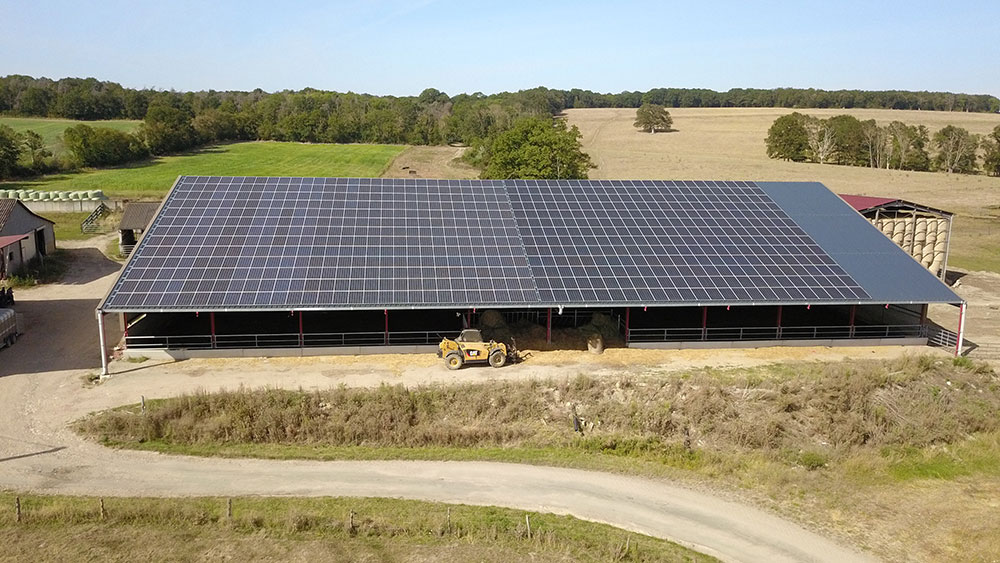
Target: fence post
x=527, y=524
x=229, y=509
x=17, y=509
x=104, y=514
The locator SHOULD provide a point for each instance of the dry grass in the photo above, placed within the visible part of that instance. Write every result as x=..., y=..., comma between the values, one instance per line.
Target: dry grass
x=728, y=144
x=430, y=162
x=866, y=450
x=269, y=529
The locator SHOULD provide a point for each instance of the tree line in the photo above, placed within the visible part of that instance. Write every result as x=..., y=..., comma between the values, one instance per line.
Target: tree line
x=846, y=140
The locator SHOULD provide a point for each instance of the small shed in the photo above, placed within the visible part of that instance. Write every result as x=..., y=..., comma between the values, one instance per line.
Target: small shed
x=24, y=236
x=135, y=220
x=922, y=231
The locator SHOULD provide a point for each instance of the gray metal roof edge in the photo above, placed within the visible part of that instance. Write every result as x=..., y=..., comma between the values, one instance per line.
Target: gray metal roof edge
x=540, y=305
x=881, y=268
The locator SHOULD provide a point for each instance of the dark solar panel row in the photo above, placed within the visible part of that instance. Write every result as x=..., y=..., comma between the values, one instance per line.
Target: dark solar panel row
x=286, y=243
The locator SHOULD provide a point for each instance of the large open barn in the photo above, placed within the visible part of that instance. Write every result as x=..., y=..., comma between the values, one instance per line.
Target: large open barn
x=235, y=265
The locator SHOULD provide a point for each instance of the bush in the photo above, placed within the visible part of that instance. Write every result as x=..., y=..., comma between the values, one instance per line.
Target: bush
x=101, y=146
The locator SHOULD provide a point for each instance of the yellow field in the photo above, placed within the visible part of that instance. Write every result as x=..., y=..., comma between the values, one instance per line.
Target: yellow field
x=728, y=144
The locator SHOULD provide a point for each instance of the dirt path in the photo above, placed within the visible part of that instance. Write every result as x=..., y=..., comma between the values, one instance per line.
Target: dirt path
x=431, y=162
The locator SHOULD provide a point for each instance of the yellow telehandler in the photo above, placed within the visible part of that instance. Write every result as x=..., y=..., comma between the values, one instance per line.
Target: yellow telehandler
x=469, y=347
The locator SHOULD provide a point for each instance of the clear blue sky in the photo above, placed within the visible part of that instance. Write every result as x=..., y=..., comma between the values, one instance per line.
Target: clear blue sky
x=398, y=47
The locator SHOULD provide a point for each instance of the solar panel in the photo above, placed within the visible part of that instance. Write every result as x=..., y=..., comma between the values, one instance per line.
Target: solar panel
x=231, y=243
x=655, y=241
x=293, y=243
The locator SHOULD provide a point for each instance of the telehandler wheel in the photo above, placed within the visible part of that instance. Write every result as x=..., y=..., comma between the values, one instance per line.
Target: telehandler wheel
x=453, y=360
x=498, y=359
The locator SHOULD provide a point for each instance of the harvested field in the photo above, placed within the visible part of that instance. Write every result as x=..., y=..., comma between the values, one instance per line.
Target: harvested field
x=728, y=144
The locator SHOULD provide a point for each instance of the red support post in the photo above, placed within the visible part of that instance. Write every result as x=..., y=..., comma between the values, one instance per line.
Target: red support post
x=627, y=311
x=779, y=321
x=302, y=334
x=211, y=323
x=704, y=323
x=854, y=311
x=548, y=326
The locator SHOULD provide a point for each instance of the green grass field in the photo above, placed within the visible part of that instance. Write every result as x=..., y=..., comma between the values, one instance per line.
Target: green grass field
x=152, y=178
x=52, y=129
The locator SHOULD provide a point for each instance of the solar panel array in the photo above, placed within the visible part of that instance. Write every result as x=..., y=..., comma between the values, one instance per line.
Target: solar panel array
x=230, y=243
x=654, y=241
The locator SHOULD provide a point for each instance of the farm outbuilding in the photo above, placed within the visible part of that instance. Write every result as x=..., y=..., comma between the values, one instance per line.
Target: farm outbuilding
x=922, y=231
x=235, y=265
x=135, y=220
x=23, y=236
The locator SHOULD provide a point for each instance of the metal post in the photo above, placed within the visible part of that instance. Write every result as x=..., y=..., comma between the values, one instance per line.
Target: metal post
x=548, y=326
x=947, y=247
x=627, y=311
x=913, y=227
x=211, y=324
x=104, y=343
x=923, y=314
x=779, y=321
x=704, y=323
x=302, y=335
x=961, y=330
x=386, y=327
x=854, y=310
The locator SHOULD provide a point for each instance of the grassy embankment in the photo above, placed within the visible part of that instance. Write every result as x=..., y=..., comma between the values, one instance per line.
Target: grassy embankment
x=150, y=179
x=860, y=449
x=148, y=529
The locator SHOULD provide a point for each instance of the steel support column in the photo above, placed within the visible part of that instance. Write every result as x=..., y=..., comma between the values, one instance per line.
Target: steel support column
x=386, y=327
x=961, y=330
x=778, y=334
x=854, y=311
x=104, y=343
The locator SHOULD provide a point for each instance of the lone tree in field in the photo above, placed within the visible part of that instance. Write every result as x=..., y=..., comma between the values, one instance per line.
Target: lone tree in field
x=536, y=148
x=991, y=152
x=653, y=118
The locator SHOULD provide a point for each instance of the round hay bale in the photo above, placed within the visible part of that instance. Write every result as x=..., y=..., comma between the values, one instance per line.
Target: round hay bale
x=595, y=344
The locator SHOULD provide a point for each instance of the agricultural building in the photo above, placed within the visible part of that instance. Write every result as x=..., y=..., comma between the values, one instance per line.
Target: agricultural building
x=23, y=236
x=922, y=231
x=135, y=220
x=234, y=265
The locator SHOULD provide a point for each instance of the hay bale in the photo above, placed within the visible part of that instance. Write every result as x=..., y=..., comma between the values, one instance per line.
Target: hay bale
x=595, y=344
x=492, y=319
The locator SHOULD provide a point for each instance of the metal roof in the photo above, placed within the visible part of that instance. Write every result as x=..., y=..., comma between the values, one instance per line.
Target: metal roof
x=9, y=240
x=138, y=215
x=863, y=203
x=251, y=243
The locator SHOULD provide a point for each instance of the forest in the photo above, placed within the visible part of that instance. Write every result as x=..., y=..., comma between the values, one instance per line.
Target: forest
x=177, y=121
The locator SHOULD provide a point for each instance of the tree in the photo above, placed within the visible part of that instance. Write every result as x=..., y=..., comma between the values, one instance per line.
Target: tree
x=102, y=146
x=991, y=152
x=956, y=150
x=35, y=146
x=787, y=138
x=10, y=150
x=820, y=138
x=167, y=129
x=877, y=143
x=537, y=148
x=848, y=140
x=653, y=118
